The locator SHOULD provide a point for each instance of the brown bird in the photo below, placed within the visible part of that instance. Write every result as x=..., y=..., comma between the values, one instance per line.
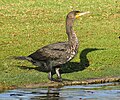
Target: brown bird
x=52, y=56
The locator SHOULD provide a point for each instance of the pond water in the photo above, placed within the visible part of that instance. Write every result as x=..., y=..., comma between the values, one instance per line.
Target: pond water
x=106, y=91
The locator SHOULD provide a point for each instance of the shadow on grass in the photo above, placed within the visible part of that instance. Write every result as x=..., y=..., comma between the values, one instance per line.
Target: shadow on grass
x=70, y=67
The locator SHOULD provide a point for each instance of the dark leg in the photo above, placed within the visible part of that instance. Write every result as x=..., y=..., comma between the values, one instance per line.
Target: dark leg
x=58, y=74
x=50, y=74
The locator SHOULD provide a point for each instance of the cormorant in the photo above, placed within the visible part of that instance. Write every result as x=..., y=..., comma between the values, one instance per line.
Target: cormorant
x=52, y=56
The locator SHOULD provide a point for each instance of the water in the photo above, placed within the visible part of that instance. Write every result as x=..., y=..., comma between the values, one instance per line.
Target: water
x=106, y=91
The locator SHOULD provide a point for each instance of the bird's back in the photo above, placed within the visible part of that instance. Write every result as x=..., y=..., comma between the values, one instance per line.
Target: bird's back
x=56, y=53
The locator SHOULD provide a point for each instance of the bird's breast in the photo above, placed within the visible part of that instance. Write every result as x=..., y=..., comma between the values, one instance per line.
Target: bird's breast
x=72, y=52
x=71, y=56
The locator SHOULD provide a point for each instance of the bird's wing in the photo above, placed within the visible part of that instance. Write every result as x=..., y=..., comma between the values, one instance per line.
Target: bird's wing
x=52, y=51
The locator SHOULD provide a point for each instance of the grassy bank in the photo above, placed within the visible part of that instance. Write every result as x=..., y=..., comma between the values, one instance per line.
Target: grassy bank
x=26, y=25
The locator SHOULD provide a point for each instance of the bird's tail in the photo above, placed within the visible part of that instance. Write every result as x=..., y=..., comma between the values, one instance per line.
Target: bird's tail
x=22, y=58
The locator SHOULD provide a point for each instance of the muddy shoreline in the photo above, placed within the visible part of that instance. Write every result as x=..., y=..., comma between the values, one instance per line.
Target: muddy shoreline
x=64, y=83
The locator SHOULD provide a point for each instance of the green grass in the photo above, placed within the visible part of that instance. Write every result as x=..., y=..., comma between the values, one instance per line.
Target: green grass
x=26, y=25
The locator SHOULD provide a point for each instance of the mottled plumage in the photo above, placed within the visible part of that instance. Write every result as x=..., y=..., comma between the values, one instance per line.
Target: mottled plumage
x=50, y=57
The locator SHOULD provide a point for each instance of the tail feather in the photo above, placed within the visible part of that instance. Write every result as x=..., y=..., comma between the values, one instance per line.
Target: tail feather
x=22, y=58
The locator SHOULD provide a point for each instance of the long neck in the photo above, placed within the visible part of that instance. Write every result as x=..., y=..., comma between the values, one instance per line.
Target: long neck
x=72, y=38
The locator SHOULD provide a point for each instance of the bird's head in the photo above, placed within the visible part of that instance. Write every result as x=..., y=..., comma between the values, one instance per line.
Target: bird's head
x=76, y=14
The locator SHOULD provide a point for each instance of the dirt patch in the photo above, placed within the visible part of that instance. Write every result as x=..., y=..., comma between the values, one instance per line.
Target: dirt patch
x=64, y=83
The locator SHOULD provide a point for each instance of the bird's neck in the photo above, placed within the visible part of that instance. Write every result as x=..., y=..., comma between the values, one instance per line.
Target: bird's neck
x=72, y=38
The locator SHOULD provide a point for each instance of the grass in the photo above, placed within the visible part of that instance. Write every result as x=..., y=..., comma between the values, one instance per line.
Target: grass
x=26, y=25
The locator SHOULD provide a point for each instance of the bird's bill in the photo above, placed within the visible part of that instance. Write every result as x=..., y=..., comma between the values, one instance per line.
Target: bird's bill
x=81, y=14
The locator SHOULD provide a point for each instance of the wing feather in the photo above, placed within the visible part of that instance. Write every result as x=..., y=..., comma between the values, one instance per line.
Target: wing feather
x=52, y=51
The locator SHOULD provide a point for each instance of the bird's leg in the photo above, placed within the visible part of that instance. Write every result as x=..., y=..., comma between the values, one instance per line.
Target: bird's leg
x=58, y=74
x=50, y=74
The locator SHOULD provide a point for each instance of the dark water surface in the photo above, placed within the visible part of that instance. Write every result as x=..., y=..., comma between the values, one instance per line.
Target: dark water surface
x=106, y=91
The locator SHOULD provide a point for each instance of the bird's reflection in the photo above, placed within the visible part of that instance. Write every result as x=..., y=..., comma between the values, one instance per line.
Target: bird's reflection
x=50, y=94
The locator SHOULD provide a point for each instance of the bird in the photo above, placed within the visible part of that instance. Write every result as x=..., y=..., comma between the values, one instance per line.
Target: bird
x=52, y=56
